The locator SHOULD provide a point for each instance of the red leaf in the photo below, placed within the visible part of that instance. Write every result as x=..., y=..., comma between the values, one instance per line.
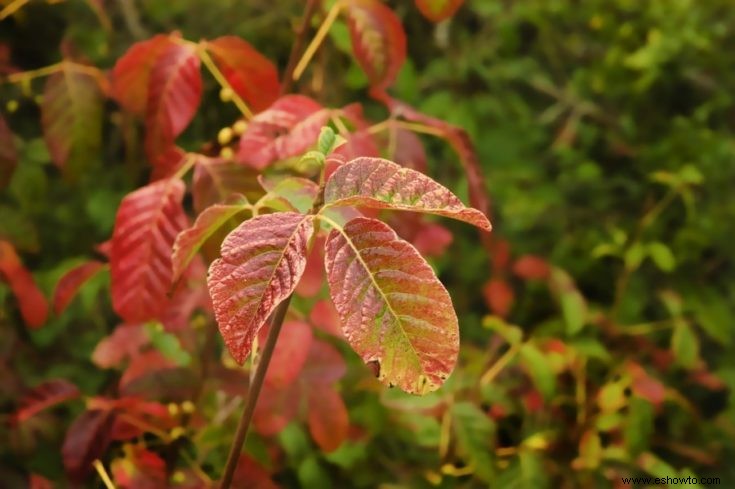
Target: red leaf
x=287, y=128
x=313, y=277
x=409, y=150
x=71, y=114
x=531, y=267
x=250, y=74
x=432, y=239
x=144, y=363
x=39, y=482
x=190, y=240
x=32, y=303
x=44, y=396
x=166, y=164
x=394, y=310
x=325, y=317
x=645, y=386
x=146, y=226
x=125, y=342
x=328, y=419
x=174, y=92
x=324, y=365
x=8, y=153
x=216, y=180
x=278, y=405
x=139, y=469
x=86, y=440
x=499, y=296
x=250, y=475
x=132, y=72
x=70, y=283
x=378, y=40
x=262, y=261
x=290, y=353
x=438, y=10
x=360, y=143
x=381, y=184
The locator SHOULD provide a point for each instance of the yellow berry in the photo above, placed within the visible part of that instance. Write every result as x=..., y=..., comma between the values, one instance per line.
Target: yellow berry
x=12, y=106
x=173, y=409
x=226, y=94
x=239, y=127
x=177, y=432
x=178, y=477
x=188, y=407
x=227, y=153
x=224, y=136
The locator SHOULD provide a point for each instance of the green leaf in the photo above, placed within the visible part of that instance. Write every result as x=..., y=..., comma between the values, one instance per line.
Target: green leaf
x=638, y=425
x=168, y=344
x=539, y=369
x=685, y=344
x=662, y=256
x=475, y=434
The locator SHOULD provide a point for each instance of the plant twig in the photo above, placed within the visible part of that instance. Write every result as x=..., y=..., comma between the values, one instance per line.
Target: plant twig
x=247, y=415
x=317, y=41
x=103, y=474
x=500, y=364
x=12, y=8
x=297, y=46
x=217, y=74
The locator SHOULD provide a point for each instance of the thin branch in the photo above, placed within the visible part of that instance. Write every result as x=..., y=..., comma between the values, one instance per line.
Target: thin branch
x=247, y=415
x=103, y=474
x=317, y=41
x=298, y=45
x=12, y=8
x=217, y=74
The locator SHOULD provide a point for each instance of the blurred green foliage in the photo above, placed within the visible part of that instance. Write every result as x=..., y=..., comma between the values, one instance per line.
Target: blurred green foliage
x=605, y=130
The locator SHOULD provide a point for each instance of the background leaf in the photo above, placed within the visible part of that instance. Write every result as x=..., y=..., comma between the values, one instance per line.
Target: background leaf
x=146, y=225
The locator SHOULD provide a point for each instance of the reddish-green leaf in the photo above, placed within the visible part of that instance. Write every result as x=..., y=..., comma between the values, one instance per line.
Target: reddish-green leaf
x=86, y=439
x=324, y=316
x=8, y=153
x=290, y=193
x=262, y=261
x=130, y=76
x=250, y=74
x=189, y=241
x=378, y=40
x=215, y=181
x=394, y=311
x=438, y=10
x=69, y=284
x=287, y=128
x=125, y=342
x=146, y=226
x=379, y=183
x=44, y=396
x=71, y=114
x=32, y=303
x=174, y=92
x=139, y=469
